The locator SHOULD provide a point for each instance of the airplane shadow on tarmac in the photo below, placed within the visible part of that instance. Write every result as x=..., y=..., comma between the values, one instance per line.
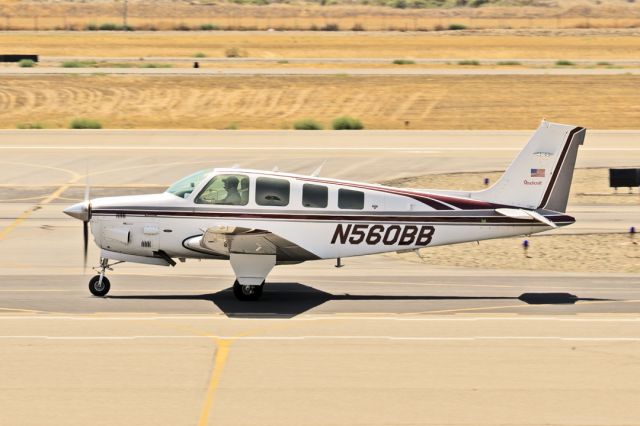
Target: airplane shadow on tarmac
x=286, y=300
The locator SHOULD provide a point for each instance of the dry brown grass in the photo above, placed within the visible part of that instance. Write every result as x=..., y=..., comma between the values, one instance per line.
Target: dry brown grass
x=428, y=102
x=164, y=15
x=625, y=45
x=590, y=186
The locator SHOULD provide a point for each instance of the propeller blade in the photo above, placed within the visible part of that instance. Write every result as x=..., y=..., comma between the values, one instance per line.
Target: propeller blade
x=85, y=223
x=85, y=232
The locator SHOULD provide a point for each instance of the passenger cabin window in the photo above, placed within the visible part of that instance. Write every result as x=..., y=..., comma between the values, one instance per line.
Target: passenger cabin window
x=348, y=199
x=272, y=192
x=314, y=195
x=232, y=190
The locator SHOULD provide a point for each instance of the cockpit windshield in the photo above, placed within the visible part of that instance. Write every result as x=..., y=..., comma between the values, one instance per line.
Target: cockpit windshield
x=185, y=186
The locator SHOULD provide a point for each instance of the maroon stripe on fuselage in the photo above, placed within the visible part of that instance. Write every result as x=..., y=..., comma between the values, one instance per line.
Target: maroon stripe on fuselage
x=335, y=218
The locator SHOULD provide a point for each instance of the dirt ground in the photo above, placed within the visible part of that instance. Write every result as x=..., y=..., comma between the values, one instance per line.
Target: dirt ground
x=565, y=45
x=566, y=253
x=589, y=186
x=384, y=102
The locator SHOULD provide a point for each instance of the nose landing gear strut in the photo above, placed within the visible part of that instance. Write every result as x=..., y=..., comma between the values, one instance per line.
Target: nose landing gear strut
x=99, y=285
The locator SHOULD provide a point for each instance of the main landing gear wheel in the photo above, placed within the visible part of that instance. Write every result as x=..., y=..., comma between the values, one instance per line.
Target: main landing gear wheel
x=99, y=288
x=247, y=292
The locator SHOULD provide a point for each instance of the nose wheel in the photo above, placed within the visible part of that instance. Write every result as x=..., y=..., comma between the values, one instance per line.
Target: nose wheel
x=99, y=285
x=247, y=293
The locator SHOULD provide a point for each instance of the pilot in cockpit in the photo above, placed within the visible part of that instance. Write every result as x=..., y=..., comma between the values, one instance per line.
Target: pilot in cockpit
x=231, y=187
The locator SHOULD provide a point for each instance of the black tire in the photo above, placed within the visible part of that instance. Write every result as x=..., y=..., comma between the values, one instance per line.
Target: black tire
x=247, y=293
x=102, y=290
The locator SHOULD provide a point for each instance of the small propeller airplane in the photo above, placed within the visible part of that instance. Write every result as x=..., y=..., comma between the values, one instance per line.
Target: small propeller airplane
x=260, y=219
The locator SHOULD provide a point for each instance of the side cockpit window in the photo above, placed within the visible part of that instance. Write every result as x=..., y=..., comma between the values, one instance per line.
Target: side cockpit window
x=272, y=192
x=232, y=190
x=314, y=195
x=348, y=199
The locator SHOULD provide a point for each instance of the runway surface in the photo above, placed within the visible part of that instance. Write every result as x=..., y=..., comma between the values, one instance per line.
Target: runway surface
x=265, y=71
x=380, y=341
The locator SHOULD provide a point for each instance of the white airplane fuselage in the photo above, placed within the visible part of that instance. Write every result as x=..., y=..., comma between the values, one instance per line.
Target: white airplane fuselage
x=391, y=220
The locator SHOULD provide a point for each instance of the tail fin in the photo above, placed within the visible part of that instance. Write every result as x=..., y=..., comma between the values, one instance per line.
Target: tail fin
x=540, y=176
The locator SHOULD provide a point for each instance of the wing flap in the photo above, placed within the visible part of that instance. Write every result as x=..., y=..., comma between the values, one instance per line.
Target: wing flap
x=223, y=240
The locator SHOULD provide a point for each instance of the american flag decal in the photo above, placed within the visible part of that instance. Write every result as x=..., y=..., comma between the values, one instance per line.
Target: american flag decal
x=537, y=172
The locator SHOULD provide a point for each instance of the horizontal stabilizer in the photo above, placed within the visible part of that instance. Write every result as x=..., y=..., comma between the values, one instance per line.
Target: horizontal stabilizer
x=525, y=215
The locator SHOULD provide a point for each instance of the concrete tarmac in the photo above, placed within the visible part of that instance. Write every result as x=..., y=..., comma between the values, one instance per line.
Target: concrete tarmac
x=380, y=341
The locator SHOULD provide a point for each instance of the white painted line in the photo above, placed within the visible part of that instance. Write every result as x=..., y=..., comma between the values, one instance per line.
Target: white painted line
x=262, y=317
x=429, y=150
x=329, y=337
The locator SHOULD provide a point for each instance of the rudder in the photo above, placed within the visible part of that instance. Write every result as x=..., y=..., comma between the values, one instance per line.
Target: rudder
x=540, y=176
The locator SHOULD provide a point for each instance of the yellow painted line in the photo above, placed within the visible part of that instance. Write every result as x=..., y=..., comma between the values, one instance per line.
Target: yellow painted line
x=29, y=311
x=25, y=214
x=13, y=225
x=222, y=353
x=483, y=308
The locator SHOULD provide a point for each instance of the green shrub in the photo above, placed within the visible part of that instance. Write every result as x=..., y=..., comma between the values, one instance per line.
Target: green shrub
x=604, y=64
x=30, y=126
x=330, y=27
x=85, y=123
x=456, y=27
x=307, y=124
x=563, y=62
x=403, y=62
x=79, y=64
x=347, y=123
x=468, y=62
x=208, y=27
x=509, y=63
x=182, y=27
x=283, y=61
x=152, y=65
x=109, y=26
x=91, y=27
x=199, y=55
x=26, y=63
x=357, y=27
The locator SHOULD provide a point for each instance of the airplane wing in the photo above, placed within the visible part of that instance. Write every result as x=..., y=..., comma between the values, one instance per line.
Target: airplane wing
x=224, y=240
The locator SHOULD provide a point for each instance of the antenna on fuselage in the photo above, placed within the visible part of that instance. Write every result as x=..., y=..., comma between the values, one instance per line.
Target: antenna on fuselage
x=317, y=171
x=275, y=169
